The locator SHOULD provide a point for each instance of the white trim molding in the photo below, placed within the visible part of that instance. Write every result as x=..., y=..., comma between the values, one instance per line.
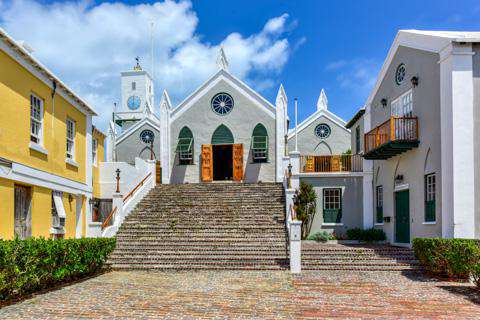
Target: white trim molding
x=457, y=141
x=22, y=173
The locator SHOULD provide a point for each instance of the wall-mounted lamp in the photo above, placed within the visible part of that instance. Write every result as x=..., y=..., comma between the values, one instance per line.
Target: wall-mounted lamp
x=414, y=81
x=399, y=178
x=384, y=102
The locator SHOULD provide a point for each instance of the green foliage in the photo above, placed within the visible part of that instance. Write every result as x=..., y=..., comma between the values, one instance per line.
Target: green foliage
x=322, y=236
x=34, y=264
x=305, y=202
x=455, y=258
x=371, y=234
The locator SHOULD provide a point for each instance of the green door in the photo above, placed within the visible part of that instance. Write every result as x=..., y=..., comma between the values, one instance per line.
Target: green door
x=402, y=217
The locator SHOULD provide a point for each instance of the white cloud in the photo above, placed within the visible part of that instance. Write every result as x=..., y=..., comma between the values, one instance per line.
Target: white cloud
x=89, y=44
x=358, y=76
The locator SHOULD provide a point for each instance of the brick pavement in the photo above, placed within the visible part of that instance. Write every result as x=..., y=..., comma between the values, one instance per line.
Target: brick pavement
x=253, y=295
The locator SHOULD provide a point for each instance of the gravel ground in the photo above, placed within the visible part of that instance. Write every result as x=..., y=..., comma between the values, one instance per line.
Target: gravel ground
x=253, y=295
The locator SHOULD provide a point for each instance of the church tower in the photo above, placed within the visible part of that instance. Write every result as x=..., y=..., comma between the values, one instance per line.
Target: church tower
x=137, y=97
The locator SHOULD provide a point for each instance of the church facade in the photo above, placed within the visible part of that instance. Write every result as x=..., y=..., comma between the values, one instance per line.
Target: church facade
x=223, y=131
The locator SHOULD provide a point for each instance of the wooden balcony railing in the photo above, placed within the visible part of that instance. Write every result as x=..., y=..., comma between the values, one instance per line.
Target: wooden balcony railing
x=394, y=129
x=333, y=163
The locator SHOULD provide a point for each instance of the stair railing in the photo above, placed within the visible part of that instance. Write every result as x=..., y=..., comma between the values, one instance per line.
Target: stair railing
x=125, y=199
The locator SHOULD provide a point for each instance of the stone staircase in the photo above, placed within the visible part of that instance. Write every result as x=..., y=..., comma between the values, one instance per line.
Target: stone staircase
x=205, y=226
x=357, y=257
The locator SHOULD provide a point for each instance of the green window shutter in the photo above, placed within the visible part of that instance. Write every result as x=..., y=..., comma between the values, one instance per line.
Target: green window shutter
x=260, y=130
x=379, y=214
x=430, y=198
x=260, y=143
x=185, y=144
x=222, y=135
x=332, y=215
x=185, y=133
x=430, y=211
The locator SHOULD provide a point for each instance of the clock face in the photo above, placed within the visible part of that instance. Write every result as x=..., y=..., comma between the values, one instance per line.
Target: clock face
x=133, y=102
x=147, y=136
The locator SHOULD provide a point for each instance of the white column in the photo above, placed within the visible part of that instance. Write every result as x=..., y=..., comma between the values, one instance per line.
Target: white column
x=88, y=150
x=153, y=170
x=117, y=202
x=280, y=120
x=78, y=216
x=295, y=162
x=457, y=147
x=295, y=246
x=165, y=143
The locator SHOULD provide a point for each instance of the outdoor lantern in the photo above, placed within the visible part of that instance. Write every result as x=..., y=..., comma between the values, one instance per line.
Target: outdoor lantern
x=384, y=102
x=414, y=81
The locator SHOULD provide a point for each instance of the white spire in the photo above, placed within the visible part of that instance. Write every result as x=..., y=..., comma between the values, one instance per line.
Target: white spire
x=322, y=103
x=222, y=61
x=281, y=94
x=165, y=101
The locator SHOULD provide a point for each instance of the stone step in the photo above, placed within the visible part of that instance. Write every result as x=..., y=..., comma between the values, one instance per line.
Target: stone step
x=179, y=267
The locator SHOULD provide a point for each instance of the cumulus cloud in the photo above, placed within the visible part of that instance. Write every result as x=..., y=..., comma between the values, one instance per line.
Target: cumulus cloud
x=89, y=44
x=356, y=75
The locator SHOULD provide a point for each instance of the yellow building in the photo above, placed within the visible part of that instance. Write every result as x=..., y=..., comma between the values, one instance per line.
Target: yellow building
x=47, y=150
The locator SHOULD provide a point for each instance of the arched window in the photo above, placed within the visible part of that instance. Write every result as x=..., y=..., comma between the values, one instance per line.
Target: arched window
x=185, y=146
x=222, y=135
x=259, y=143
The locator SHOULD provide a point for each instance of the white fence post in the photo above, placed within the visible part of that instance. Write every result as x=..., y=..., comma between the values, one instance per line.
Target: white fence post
x=117, y=202
x=295, y=246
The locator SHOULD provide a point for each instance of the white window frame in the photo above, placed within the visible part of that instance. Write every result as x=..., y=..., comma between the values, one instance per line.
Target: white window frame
x=38, y=122
x=94, y=151
x=70, y=154
x=403, y=105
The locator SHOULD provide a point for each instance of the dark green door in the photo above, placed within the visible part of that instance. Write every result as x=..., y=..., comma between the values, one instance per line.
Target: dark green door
x=402, y=217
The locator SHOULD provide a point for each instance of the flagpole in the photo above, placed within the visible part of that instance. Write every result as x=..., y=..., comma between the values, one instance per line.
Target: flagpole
x=296, y=124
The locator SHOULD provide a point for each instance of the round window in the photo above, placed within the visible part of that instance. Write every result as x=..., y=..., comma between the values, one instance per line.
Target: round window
x=222, y=103
x=147, y=136
x=400, y=74
x=322, y=130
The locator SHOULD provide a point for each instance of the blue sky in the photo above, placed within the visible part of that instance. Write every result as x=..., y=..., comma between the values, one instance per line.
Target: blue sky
x=336, y=45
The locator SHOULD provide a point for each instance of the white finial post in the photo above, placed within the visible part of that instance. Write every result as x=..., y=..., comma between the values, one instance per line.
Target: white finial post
x=322, y=103
x=222, y=61
x=296, y=124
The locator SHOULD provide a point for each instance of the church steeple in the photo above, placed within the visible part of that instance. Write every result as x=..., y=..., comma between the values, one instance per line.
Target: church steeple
x=222, y=61
x=322, y=103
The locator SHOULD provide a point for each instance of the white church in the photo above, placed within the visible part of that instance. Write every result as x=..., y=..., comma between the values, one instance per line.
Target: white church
x=223, y=131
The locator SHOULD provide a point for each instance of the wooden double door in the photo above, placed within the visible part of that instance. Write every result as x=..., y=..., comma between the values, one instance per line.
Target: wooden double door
x=222, y=162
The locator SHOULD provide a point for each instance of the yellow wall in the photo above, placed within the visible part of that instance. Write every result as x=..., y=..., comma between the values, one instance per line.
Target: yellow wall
x=16, y=85
x=6, y=209
x=100, y=158
x=41, y=211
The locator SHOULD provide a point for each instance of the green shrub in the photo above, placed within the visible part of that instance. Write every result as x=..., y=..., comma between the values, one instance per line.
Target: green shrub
x=368, y=235
x=321, y=236
x=34, y=264
x=455, y=258
x=305, y=203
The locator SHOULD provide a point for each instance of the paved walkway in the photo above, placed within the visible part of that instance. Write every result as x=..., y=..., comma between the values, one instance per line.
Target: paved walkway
x=252, y=295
